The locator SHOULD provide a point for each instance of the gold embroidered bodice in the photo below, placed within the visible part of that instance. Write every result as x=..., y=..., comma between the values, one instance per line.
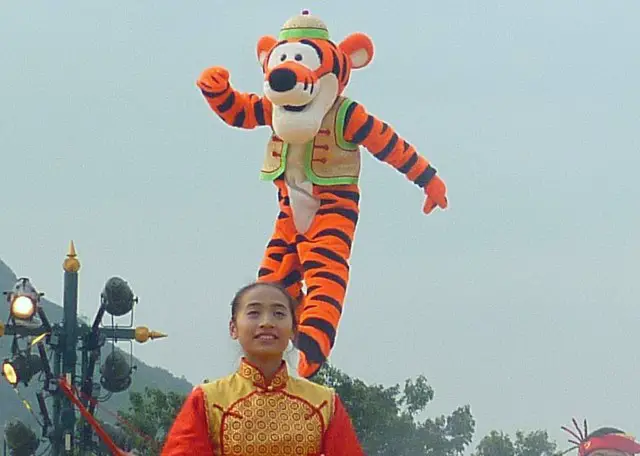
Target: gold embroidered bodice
x=248, y=416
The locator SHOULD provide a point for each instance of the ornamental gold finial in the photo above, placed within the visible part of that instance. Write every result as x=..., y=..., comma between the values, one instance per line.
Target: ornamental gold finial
x=71, y=263
x=142, y=334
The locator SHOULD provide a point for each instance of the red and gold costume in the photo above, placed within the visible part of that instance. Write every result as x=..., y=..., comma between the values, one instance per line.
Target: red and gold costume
x=244, y=415
x=605, y=441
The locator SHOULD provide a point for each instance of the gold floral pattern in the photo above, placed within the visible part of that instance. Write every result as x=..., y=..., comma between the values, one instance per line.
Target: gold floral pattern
x=249, y=416
x=271, y=424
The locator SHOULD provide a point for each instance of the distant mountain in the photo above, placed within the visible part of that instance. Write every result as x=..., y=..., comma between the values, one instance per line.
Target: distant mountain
x=11, y=405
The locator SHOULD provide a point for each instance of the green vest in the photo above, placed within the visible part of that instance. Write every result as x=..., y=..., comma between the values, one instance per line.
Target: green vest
x=328, y=159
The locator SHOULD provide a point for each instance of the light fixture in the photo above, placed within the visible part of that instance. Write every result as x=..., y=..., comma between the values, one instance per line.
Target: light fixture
x=21, y=368
x=116, y=373
x=24, y=300
x=9, y=369
x=20, y=438
x=117, y=297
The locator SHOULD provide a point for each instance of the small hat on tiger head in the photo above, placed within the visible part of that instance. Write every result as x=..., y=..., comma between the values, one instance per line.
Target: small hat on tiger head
x=304, y=25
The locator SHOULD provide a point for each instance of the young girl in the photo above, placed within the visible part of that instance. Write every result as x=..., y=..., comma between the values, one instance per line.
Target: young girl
x=259, y=409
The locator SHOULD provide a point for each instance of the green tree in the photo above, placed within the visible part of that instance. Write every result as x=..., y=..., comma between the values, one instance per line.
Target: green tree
x=386, y=421
x=495, y=444
x=151, y=414
x=534, y=443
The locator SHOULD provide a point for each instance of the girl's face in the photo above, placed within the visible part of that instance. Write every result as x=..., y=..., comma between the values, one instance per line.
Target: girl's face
x=263, y=323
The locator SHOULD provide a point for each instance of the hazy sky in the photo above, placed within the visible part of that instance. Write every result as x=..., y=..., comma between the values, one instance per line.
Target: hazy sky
x=522, y=299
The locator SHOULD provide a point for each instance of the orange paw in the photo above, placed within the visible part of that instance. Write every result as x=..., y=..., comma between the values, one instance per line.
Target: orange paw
x=436, y=195
x=214, y=79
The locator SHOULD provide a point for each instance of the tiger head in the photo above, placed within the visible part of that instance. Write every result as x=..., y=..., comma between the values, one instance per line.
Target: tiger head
x=304, y=73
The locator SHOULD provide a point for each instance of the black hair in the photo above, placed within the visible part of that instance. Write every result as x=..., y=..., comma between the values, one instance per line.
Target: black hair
x=292, y=303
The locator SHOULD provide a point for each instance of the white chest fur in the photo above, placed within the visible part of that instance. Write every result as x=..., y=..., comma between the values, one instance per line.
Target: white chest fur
x=304, y=204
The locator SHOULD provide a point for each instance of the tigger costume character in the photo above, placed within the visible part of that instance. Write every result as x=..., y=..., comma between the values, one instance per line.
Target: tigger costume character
x=605, y=441
x=313, y=157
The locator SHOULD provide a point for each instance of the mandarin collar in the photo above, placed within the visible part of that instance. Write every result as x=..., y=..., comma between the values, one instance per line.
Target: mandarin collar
x=255, y=375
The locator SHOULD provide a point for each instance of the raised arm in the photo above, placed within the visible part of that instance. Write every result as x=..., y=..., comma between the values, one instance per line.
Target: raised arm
x=237, y=109
x=386, y=145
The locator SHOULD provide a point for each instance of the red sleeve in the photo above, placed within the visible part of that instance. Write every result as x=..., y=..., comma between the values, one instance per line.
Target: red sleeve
x=189, y=434
x=341, y=438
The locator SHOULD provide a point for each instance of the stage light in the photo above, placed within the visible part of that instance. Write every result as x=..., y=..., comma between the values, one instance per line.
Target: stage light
x=23, y=308
x=9, y=372
x=116, y=373
x=23, y=300
x=30, y=329
x=21, y=368
x=117, y=297
x=20, y=438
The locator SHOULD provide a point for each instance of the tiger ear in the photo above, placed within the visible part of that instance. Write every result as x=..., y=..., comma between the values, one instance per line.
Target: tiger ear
x=265, y=44
x=359, y=48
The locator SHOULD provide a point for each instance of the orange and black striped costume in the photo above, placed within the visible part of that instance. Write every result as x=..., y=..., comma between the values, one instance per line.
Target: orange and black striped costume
x=304, y=60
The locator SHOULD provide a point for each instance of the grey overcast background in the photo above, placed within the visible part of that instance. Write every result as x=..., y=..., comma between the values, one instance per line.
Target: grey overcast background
x=522, y=299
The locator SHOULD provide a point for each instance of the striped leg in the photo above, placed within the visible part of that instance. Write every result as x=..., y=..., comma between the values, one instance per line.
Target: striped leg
x=325, y=251
x=280, y=262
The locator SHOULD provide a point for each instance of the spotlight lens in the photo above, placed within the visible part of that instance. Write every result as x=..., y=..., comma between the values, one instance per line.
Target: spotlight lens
x=9, y=373
x=116, y=373
x=118, y=296
x=22, y=308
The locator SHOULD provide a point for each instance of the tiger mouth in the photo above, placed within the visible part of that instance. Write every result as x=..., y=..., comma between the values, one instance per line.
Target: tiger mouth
x=292, y=108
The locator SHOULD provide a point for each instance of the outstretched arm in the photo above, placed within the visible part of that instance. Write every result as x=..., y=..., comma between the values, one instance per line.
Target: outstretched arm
x=386, y=145
x=237, y=109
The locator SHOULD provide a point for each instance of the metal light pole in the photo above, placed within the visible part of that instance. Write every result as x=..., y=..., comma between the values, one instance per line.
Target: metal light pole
x=67, y=413
x=65, y=339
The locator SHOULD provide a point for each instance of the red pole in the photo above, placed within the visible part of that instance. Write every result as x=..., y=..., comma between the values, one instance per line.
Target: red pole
x=66, y=389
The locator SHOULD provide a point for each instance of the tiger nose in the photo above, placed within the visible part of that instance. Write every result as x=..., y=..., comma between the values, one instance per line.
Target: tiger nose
x=282, y=79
